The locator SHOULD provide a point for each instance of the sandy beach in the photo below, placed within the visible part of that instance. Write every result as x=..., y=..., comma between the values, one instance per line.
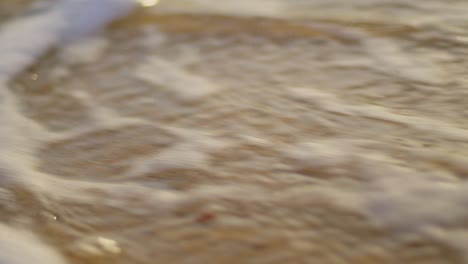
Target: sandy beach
x=199, y=132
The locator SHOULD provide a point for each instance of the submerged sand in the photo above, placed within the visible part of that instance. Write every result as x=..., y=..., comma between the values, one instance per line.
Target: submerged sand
x=188, y=136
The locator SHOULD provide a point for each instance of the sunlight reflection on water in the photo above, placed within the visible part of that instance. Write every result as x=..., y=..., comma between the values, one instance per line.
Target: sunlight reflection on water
x=148, y=3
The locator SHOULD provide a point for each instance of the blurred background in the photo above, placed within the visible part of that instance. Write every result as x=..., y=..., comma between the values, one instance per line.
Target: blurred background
x=249, y=131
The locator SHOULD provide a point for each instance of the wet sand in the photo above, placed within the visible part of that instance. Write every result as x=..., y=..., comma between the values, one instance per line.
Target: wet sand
x=191, y=137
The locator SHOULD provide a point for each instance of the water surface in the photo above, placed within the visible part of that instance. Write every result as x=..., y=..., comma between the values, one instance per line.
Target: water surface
x=224, y=132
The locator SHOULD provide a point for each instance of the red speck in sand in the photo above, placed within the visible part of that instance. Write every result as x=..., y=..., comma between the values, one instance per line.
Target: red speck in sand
x=204, y=218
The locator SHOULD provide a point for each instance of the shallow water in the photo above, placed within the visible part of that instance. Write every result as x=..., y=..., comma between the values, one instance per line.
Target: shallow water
x=258, y=131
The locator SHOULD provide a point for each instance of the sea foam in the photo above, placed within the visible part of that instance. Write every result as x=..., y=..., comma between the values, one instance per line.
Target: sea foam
x=22, y=41
x=65, y=21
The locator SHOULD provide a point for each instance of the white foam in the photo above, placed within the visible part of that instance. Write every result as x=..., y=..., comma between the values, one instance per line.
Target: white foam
x=20, y=247
x=167, y=75
x=191, y=152
x=86, y=51
x=24, y=39
x=395, y=61
x=20, y=46
x=407, y=200
x=392, y=196
x=334, y=104
x=84, y=17
x=395, y=197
